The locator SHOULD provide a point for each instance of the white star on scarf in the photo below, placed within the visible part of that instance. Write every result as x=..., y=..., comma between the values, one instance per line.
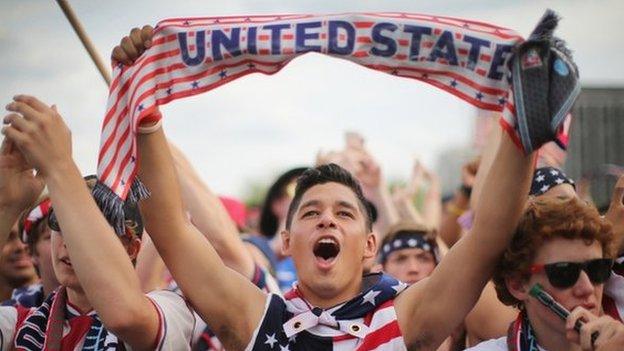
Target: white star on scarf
x=370, y=297
x=270, y=340
x=554, y=172
x=397, y=243
x=544, y=188
x=399, y=287
x=412, y=242
x=539, y=178
x=284, y=348
x=559, y=181
x=293, y=339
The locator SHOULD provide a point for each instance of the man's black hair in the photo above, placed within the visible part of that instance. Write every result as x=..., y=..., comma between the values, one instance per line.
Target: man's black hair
x=330, y=173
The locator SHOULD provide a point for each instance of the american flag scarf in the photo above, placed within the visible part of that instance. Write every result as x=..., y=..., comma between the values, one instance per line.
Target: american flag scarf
x=366, y=322
x=189, y=56
x=42, y=328
x=520, y=336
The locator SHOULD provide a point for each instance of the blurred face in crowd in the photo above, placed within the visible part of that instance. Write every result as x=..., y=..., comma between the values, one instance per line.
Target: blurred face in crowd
x=410, y=265
x=42, y=254
x=329, y=240
x=582, y=293
x=16, y=266
x=62, y=264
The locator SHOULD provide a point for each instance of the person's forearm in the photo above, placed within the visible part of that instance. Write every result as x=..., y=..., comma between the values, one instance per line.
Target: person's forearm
x=432, y=211
x=98, y=257
x=8, y=218
x=211, y=218
x=498, y=210
x=386, y=212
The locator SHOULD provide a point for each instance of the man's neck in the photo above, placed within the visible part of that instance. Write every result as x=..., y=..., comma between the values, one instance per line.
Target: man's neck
x=79, y=300
x=325, y=302
x=551, y=339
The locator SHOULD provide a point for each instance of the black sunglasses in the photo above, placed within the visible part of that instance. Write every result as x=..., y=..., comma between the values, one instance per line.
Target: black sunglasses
x=565, y=274
x=52, y=221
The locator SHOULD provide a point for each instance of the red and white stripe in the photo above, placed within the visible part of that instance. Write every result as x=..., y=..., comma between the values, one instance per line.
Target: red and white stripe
x=161, y=68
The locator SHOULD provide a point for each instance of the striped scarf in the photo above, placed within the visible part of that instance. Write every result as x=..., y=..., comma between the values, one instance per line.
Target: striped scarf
x=520, y=336
x=42, y=329
x=189, y=56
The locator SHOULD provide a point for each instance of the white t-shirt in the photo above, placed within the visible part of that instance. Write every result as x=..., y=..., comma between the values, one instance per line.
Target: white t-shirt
x=175, y=331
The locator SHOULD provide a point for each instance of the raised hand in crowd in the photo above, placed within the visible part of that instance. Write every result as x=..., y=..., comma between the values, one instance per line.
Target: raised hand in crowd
x=19, y=186
x=610, y=332
x=89, y=241
x=615, y=213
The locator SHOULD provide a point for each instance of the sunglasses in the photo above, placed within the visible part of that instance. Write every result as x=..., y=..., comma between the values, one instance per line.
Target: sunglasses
x=564, y=275
x=52, y=221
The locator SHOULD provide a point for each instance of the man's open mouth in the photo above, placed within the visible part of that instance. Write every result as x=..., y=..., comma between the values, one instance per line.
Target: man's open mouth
x=326, y=248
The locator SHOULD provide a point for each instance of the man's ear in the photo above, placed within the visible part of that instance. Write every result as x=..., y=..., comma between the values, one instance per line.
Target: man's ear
x=517, y=287
x=285, y=235
x=371, y=245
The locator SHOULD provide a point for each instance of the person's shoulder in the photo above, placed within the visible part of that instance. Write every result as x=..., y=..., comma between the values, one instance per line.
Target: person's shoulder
x=499, y=344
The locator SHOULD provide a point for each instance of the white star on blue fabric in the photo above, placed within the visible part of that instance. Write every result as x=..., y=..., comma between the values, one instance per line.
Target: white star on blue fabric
x=544, y=188
x=397, y=243
x=539, y=178
x=370, y=297
x=559, y=181
x=270, y=340
x=554, y=172
x=293, y=339
x=412, y=242
x=426, y=247
x=284, y=348
x=399, y=287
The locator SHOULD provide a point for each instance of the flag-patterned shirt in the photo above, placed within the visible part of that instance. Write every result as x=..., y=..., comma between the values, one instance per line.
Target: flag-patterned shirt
x=366, y=322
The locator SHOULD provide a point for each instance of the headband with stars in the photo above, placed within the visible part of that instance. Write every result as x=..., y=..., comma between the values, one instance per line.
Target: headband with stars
x=546, y=178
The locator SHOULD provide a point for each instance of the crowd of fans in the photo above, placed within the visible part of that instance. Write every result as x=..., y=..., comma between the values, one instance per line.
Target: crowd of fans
x=338, y=259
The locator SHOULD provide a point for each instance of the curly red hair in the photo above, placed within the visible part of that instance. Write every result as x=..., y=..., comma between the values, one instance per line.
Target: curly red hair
x=543, y=220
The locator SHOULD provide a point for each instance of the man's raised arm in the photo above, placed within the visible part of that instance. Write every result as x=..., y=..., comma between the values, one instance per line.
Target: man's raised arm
x=212, y=288
x=428, y=311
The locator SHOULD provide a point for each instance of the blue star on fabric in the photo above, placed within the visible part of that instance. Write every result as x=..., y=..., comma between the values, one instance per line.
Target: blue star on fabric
x=195, y=84
x=186, y=23
x=223, y=74
x=453, y=83
x=169, y=90
x=251, y=66
x=140, y=108
x=502, y=101
x=479, y=96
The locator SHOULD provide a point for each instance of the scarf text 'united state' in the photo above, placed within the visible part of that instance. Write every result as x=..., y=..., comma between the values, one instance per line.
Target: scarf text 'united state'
x=189, y=56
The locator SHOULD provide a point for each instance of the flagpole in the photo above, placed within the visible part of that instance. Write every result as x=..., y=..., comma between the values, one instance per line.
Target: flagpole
x=75, y=23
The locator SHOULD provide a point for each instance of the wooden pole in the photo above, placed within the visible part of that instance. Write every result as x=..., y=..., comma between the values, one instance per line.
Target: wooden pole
x=75, y=23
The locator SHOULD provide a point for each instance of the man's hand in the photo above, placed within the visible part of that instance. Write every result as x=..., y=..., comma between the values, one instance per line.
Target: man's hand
x=610, y=332
x=615, y=214
x=40, y=133
x=19, y=187
x=133, y=45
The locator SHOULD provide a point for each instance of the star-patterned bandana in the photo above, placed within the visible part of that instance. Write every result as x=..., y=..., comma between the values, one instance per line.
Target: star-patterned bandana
x=546, y=178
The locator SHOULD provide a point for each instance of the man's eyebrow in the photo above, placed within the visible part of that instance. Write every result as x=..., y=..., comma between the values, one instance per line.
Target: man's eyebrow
x=346, y=204
x=309, y=203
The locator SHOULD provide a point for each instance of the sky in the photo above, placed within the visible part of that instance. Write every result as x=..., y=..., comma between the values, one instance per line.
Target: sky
x=253, y=128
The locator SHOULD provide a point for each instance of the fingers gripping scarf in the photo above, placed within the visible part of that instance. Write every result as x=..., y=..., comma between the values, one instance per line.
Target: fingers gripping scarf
x=190, y=56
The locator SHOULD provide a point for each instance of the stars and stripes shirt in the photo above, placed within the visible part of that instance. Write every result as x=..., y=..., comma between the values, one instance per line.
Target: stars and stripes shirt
x=366, y=322
x=175, y=317
x=204, y=339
